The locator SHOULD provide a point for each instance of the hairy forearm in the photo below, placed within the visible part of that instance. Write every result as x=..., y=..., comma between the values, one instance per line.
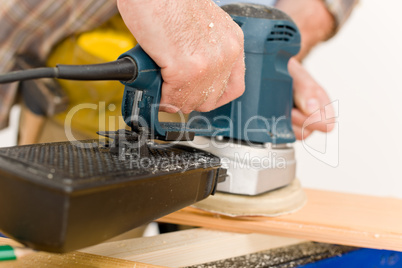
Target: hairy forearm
x=313, y=19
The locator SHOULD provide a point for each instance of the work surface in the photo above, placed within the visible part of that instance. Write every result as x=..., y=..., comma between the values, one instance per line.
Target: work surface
x=345, y=219
x=199, y=248
x=329, y=217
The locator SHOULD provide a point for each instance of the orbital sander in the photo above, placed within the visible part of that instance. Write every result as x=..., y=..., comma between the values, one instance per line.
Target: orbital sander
x=64, y=196
x=253, y=134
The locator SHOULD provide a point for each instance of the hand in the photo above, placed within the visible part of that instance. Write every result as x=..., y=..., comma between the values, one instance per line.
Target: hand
x=314, y=110
x=198, y=47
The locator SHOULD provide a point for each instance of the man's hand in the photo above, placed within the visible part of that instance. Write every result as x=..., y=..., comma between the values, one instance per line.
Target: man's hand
x=198, y=47
x=313, y=109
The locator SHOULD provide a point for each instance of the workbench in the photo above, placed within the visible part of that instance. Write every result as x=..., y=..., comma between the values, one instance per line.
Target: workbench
x=349, y=231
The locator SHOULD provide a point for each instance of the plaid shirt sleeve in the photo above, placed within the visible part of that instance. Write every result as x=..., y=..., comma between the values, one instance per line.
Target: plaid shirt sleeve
x=341, y=10
x=34, y=26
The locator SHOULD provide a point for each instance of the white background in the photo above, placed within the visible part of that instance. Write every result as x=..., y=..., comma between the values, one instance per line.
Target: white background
x=361, y=68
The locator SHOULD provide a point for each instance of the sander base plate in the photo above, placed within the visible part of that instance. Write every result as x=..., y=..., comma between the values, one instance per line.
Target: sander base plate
x=278, y=202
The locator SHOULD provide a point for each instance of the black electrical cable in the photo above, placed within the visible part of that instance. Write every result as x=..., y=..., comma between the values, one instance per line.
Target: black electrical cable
x=28, y=74
x=124, y=69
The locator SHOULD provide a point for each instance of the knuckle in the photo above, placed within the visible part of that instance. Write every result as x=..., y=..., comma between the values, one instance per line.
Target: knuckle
x=236, y=46
x=236, y=92
x=238, y=32
x=317, y=88
x=240, y=91
x=201, y=63
x=309, y=86
x=186, y=110
x=168, y=107
x=198, y=66
x=204, y=108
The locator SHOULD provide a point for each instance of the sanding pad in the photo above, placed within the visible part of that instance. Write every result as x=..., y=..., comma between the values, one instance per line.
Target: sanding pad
x=282, y=201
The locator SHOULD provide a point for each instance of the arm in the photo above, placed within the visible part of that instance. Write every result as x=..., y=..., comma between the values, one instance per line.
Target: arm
x=196, y=44
x=313, y=19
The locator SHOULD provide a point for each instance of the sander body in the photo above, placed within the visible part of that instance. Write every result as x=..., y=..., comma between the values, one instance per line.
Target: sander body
x=252, y=133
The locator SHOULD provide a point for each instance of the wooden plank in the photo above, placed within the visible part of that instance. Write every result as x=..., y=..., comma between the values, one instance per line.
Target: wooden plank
x=73, y=259
x=178, y=249
x=189, y=247
x=329, y=217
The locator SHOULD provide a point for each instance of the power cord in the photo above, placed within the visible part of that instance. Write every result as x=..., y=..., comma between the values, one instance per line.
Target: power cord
x=124, y=69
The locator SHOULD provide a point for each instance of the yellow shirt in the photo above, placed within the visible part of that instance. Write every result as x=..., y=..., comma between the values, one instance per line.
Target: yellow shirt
x=94, y=105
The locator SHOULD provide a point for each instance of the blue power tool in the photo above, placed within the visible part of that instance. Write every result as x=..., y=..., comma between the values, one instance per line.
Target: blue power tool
x=64, y=196
x=253, y=128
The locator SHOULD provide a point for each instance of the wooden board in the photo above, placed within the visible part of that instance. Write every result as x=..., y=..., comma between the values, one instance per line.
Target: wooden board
x=189, y=247
x=73, y=259
x=178, y=249
x=329, y=217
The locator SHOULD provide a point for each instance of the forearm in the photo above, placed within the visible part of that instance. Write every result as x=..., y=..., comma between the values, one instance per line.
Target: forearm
x=313, y=19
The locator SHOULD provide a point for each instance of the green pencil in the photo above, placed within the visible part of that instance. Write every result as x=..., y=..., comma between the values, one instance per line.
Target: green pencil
x=9, y=253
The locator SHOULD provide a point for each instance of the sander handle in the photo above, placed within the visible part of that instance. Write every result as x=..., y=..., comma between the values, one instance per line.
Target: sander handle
x=261, y=115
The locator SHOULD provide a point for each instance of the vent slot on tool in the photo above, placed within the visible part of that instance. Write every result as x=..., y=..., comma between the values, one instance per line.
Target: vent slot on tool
x=281, y=33
x=65, y=164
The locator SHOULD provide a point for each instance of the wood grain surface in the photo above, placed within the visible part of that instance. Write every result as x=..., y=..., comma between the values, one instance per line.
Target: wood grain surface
x=329, y=217
x=189, y=247
x=177, y=249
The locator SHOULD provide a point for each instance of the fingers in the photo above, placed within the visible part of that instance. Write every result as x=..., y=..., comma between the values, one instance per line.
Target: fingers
x=313, y=112
x=301, y=133
x=198, y=47
x=206, y=91
x=236, y=84
x=209, y=81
